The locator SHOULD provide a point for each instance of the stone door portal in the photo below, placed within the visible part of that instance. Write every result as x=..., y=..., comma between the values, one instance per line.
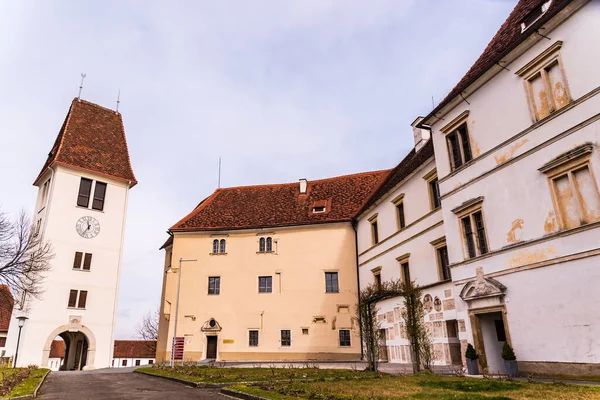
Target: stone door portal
x=211, y=347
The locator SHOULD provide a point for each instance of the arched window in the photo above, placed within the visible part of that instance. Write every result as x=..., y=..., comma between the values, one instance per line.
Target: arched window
x=215, y=246
x=269, y=244
x=222, y=246
x=261, y=245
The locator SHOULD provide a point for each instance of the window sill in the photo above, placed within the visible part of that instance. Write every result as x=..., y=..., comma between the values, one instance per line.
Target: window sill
x=338, y=292
x=90, y=209
x=217, y=254
x=75, y=308
x=213, y=294
x=265, y=252
x=265, y=292
x=81, y=270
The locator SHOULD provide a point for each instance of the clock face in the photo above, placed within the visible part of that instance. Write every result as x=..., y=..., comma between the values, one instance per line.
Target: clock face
x=88, y=227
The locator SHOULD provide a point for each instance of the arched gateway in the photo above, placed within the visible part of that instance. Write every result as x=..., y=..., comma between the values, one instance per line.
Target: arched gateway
x=80, y=348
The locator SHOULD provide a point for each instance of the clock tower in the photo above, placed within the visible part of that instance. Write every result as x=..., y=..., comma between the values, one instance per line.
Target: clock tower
x=80, y=210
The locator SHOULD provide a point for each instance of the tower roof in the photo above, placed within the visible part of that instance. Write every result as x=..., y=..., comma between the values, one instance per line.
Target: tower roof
x=92, y=138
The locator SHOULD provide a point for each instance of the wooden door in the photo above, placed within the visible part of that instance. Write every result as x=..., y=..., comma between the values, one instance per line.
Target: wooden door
x=211, y=347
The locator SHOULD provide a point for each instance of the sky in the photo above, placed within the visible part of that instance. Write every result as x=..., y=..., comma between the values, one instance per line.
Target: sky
x=280, y=90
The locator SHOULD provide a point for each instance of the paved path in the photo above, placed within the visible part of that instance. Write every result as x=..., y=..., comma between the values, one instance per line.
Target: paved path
x=114, y=384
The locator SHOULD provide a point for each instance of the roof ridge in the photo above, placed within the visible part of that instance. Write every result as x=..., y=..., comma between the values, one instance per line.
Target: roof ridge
x=309, y=181
x=95, y=105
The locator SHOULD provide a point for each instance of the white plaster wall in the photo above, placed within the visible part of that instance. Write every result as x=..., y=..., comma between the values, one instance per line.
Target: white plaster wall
x=493, y=347
x=416, y=205
x=549, y=309
x=51, y=312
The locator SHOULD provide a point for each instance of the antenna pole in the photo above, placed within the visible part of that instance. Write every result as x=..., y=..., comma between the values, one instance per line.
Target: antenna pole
x=118, y=100
x=219, y=181
x=81, y=86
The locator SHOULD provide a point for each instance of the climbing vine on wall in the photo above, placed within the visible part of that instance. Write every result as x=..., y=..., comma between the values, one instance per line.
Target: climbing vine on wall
x=413, y=315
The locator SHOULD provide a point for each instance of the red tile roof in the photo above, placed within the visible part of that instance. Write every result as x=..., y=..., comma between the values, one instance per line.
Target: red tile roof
x=508, y=37
x=92, y=138
x=167, y=243
x=282, y=204
x=135, y=349
x=411, y=162
x=6, y=306
x=57, y=349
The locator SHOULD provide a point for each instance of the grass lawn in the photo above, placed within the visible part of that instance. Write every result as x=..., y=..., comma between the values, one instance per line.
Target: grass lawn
x=429, y=387
x=24, y=387
x=208, y=374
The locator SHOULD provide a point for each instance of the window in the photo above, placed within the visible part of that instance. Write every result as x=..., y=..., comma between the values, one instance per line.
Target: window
x=319, y=206
x=99, y=193
x=150, y=362
x=405, y=270
x=85, y=188
x=401, y=218
x=38, y=226
x=318, y=209
x=73, y=296
x=286, y=338
x=265, y=284
x=86, y=258
x=253, y=338
x=214, y=285
x=344, y=338
x=45, y=189
x=377, y=277
x=444, y=265
x=305, y=331
x=545, y=83
x=137, y=363
x=434, y=191
x=573, y=187
x=219, y=246
x=374, y=230
x=534, y=15
x=124, y=363
x=474, y=235
x=265, y=245
x=331, y=282
x=459, y=146
x=3, y=341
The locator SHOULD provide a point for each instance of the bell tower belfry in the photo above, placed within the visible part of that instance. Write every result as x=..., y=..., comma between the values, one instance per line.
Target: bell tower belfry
x=80, y=210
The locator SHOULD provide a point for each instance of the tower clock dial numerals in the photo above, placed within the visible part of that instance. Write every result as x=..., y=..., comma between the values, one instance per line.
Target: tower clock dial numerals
x=88, y=227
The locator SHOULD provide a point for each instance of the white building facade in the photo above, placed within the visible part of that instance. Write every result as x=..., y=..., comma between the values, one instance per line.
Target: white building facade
x=80, y=211
x=401, y=235
x=518, y=160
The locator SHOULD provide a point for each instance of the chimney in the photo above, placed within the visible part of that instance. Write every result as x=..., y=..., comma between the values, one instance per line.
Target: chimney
x=303, y=185
x=421, y=135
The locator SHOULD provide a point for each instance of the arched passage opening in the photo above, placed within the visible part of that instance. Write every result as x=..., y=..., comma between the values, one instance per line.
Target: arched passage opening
x=79, y=348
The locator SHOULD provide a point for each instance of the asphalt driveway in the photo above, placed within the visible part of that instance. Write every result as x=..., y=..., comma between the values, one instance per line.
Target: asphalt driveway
x=117, y=384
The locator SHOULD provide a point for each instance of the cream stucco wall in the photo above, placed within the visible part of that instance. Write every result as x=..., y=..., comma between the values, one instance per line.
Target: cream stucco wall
x=548, y=271
x=303, y=255
x=50, y=312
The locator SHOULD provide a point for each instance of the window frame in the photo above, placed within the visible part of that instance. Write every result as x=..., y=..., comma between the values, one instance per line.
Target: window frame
x=403, y=261
x=329, y=282
x=400, y=211
x=252, y=343
x=538, y=67
x=288, y=340
x=374, y=227
x=432, y=187
x=377, y=277
x=267, y=278
x=567, y=164
x=347, y=339
x=77, y=296
x=82, y=195
x=468, y=210
x=100, y=200
x=453, y=129
x=438, y=246
x=216, y=289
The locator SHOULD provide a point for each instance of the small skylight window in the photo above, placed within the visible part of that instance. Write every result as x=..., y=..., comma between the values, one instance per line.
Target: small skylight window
x=534, y=15
x=318, y=209
x=319, y=206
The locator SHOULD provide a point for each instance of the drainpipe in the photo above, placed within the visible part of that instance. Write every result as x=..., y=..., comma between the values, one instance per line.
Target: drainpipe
x=362, y=353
